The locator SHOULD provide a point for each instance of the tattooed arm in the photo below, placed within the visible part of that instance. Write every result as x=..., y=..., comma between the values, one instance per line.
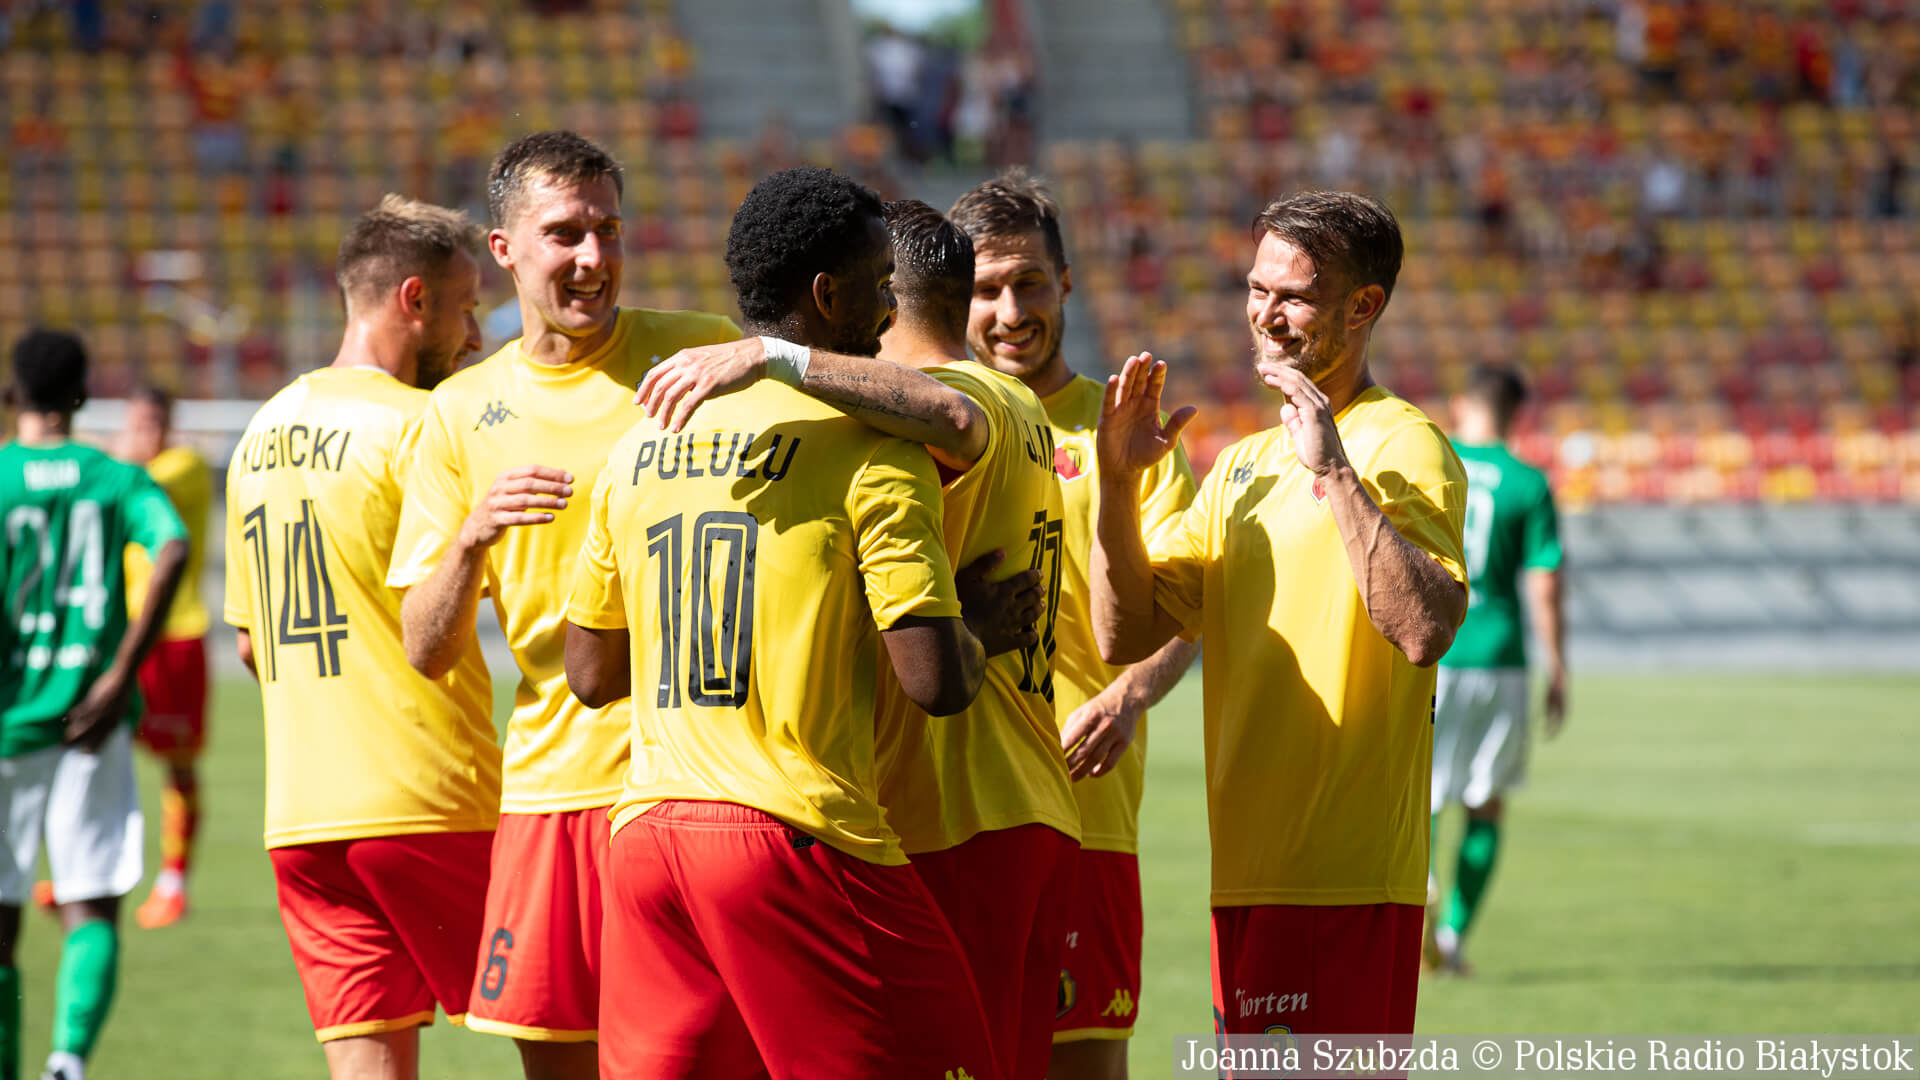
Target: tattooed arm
x=899, y=401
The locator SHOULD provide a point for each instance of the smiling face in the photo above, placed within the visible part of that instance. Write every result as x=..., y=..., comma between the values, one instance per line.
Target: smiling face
x=563, y=247
x=1298, y=318
x=1018, y=314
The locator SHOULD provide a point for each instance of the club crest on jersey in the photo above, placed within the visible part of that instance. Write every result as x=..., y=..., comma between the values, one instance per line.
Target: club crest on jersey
x=495, y=413
x=1067, y=996
x=1070, y=461
x=1319, y=489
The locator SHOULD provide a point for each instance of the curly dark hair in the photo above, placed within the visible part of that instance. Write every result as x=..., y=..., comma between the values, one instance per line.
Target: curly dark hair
x=559, y=155
x=50, y=371
x=794, y=224
x=932, y=267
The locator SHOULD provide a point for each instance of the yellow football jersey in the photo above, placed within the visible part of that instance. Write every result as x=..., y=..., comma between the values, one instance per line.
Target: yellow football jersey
x=1319, y=732
x=183, y=474
x=756, y=558
x=508, y=411
x=358, y=743
x=998, y=764
x=1110, y=804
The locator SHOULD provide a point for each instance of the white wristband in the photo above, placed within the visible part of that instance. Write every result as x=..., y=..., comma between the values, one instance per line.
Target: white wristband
x=786, y=362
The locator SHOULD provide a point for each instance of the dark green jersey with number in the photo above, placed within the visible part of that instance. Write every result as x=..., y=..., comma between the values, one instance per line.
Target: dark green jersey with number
x=1511, y=528
x=69, y=512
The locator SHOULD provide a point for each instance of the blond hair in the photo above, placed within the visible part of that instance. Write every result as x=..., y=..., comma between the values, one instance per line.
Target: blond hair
x=399, y=239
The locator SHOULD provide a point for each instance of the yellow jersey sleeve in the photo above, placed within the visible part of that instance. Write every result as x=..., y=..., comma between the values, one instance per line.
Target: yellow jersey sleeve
x=1170, y=489
x=436, y=499
x=896, y=515
x=1419, y=484
x=597, y=602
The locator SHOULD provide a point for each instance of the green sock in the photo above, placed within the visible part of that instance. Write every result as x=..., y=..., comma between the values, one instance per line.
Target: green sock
x=9, y=1023
x=89, y=968
x=1478, y=850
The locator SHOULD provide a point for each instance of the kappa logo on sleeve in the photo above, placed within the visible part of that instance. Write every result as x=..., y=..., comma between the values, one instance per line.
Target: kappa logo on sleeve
x=495, y=413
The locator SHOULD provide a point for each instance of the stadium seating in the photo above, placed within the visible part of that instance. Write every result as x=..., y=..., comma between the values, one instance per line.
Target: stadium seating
x=249, y=135
x=1697, y=237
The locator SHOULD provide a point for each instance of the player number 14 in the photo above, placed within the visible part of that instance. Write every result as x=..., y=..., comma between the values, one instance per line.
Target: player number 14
x=308, y=612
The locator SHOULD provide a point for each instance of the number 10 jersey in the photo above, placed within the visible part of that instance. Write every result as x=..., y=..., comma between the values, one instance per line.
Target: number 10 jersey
x=358, y=743
x=755, y=559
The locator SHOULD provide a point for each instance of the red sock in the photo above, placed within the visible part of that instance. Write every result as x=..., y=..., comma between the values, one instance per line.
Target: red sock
x=180, y=820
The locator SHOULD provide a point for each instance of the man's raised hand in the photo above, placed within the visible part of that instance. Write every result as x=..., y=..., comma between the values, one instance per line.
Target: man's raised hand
x=1308, y=417
x=1132, y=438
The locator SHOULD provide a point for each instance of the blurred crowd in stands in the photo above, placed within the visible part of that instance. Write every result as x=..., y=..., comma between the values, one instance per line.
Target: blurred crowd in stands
x=1695, y=226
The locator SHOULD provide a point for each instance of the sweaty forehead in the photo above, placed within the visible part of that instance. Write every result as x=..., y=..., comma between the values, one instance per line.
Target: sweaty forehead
x=546, y=200
x=1002, y=257
x=1279, y=264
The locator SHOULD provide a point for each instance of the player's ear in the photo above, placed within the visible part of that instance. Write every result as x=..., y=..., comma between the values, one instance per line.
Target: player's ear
x=413, y=297
x=1364, y=305
x=497, y=247
x=826, y=291
x=1066, y=281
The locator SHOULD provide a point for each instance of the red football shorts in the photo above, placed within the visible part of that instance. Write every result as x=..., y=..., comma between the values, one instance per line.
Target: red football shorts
x=738, y=946
x=1007, y=892
x=173, y=680
x=1303, y=969
x=1100, y=968
x=383, y=927
x=539, y=971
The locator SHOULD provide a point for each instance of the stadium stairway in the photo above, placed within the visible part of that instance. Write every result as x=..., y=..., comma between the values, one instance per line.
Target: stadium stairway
x=800, y=58
x=1110, y=69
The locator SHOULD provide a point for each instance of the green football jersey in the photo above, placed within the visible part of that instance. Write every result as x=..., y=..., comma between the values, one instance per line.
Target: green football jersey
x=69, y=512
x=1511, y=527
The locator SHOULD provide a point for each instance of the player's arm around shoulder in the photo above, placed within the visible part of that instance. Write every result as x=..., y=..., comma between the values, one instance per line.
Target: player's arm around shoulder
x=892, y=399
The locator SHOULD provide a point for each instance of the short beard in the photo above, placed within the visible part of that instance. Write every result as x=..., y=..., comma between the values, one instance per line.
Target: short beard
x=1318, y=359
x=854, y=342
x=430, y=369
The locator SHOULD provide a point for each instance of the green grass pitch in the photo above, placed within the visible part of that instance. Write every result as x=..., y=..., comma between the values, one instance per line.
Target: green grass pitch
x=1696, y=853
